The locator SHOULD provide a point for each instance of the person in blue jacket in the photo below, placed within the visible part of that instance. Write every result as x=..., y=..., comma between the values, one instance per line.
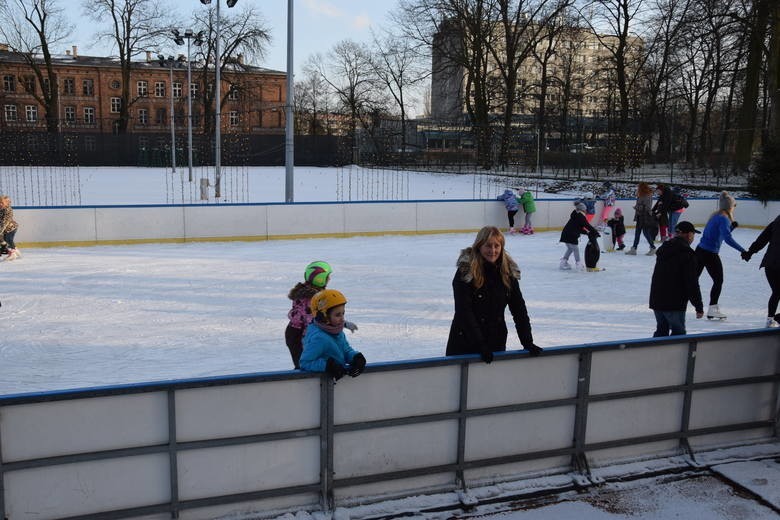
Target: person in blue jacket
x=325, y=346
x=512, y=207
x=718, y=230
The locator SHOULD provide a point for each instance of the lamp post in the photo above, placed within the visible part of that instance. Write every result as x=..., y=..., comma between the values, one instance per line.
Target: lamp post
x=218, y=102
x=189, y=35
x=289, y=130
x=169, y=62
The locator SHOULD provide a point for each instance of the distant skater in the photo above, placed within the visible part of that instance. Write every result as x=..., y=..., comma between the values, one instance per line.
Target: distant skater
x=526, y=200
x=512, y=207
x=771, y=264
x=570, y=236
x=8, y=228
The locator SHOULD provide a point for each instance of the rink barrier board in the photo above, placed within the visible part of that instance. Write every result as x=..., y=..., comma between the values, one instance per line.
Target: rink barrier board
x=285, y=441
x=111, y=225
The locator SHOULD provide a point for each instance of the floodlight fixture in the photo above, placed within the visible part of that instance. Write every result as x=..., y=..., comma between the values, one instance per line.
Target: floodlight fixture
x=231, y=3
x=205, y=2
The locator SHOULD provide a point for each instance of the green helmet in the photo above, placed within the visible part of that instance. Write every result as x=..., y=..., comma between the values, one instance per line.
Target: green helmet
x=317, y=273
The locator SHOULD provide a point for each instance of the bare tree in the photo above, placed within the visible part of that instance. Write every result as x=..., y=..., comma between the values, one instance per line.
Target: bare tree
x=32, y=28
x=612, y=21
x=312, y=99
x=396, y=63
x=757, y=27
x=348, y=71
x=244, y=38
x=132, y=27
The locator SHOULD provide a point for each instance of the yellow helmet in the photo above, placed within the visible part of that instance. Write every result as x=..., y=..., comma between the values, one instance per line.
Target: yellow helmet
x=325, y=300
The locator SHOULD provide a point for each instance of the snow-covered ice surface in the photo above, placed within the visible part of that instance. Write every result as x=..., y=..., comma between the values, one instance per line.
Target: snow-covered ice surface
x=74, y=317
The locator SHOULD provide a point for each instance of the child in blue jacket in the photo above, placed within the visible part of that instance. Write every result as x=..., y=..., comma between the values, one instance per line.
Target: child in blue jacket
x=512, y=207
x=325, y=346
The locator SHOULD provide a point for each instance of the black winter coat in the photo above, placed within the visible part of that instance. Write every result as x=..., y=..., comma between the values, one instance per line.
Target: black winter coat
x=576, y=226
x=675, y=277
x=478, y=325
x=770, y=235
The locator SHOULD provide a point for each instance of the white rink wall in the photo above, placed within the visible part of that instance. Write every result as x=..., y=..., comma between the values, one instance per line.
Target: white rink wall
x=175, y=223
x=290, y=440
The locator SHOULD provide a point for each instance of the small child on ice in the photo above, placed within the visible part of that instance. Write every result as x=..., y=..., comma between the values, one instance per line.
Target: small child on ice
x=529, y=207
x=618, y=228
x=325, y=346
x=512, y=207
x=577, y=225
x=315, y=278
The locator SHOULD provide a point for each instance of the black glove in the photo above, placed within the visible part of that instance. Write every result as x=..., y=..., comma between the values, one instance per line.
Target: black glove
x=335, y=370
x=487, y=356
x=734, y=225
x=533, y=349
x=357, y=365
x=746, y=255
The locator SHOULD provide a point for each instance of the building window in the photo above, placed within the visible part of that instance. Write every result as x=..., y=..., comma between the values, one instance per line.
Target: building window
x=70, y=114
x=31, y=113
x=69, y=87
x=9, y=83
x=89, y=115
x=143, y=116
x=195, y=118
x=88, y=87
x=116, y=105
x=160, y=119
x=159, y=88
x=70, y=143
x=233, y=93
x=89, y=143
x=233, y=118
x=143, y=88
x=29, y=84
x=178, y=117
x=115, y=84
x=177, y=90
x=143, y=143
x=194, y=90
x=46, y=86
x=10, y=113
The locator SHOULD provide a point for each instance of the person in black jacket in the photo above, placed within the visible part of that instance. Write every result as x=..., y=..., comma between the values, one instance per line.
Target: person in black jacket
x=486, y=282
x=675, y=282
x=771, y=264
x=570, y=235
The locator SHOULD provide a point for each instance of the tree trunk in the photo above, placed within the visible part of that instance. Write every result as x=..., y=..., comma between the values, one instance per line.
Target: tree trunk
x=746, y=130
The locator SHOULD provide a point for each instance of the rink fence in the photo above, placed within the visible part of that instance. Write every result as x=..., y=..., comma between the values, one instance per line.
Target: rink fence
x=286, y=441
x=93, y=225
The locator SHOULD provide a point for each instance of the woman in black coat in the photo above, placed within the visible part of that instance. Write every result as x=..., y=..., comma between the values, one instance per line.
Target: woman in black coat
x=771, y=264
x=485, y=283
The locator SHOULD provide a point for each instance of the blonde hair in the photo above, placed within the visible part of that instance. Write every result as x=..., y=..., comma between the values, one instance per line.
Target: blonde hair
x=477, y=264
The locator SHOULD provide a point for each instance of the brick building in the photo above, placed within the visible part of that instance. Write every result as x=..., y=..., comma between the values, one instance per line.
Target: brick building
x=89, y=90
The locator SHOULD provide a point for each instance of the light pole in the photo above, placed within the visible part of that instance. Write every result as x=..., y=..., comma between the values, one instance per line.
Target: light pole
x=179, y=39
x=218, y=102
x=289, y=130
x=169, y=62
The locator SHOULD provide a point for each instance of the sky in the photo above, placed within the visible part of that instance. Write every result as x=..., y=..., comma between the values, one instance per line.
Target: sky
x=318, y=25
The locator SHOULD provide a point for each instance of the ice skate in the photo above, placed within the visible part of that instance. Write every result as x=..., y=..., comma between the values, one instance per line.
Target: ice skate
x=512, y=231
x=594, y=269
x=713, y=313
x=621, y=247
x=579, y=266
x=564, y=265
x=631, y=251
x=13, y=254
x=771, y=323
x=651, y=252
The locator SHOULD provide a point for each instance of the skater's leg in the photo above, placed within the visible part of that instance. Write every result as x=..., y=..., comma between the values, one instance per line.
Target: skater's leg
x=674, y=217
x=294, y=339
x=9, y=239
x=715, y=270
x=637, y=234
x=773, y=277
x=676, y=320
x=661, y=325
x=511, y=215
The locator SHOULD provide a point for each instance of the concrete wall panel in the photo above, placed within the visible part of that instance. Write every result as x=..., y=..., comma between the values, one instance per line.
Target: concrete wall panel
x=634, y=417
x=146, y=223
x=305, y=219
x=226, y=221
x=636, y=368
x=249, y=467
x=255, y=408
x=56, y=225
x=66, y=427
x=734, y=359
x=88, y=487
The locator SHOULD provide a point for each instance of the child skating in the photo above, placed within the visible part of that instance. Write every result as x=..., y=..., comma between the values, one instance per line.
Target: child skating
x=512, y=207
x=529, y=207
